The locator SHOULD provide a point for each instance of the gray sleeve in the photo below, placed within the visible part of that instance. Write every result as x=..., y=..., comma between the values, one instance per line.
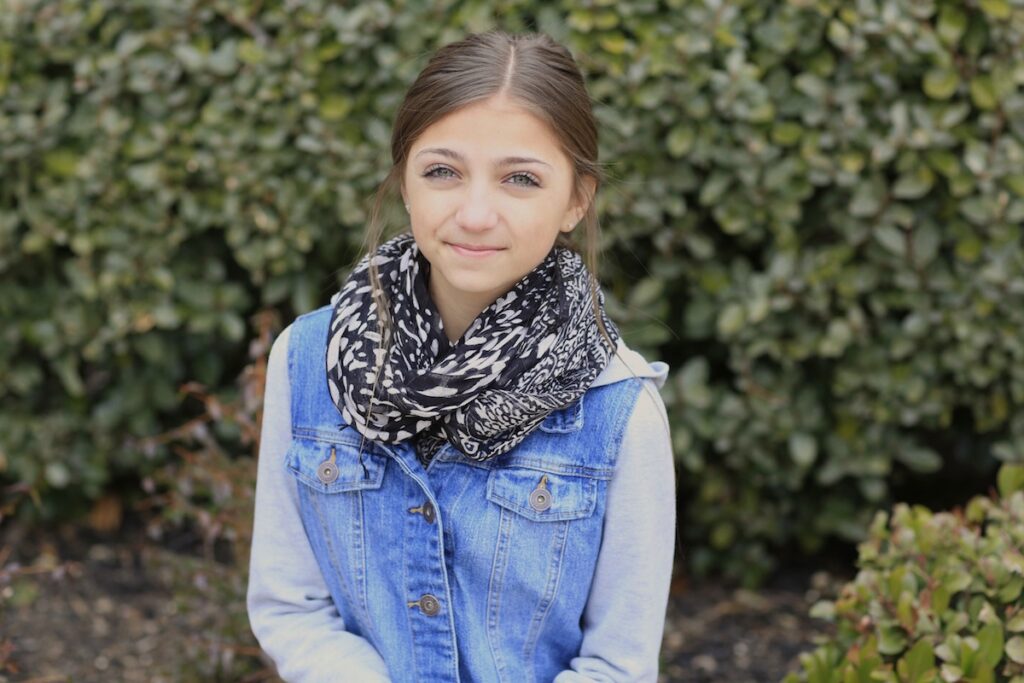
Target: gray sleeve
x=290, y=609
x=624, y=619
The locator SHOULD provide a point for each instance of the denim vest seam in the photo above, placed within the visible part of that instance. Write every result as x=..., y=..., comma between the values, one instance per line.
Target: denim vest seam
x=558, y=422
x=409, y=611
x=494, y=592
x=335, y=560
x=539, y=465
x=551, y=591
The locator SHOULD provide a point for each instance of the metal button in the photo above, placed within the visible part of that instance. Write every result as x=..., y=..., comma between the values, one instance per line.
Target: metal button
x=427, y=510
x=327, y=471
x=540, y=498
x=428, y=604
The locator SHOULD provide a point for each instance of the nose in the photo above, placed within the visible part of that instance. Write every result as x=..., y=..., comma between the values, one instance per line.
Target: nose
x=478, y=211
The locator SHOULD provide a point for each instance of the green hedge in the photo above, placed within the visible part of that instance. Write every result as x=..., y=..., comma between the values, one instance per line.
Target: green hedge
x=815, y=218
x=937, y=597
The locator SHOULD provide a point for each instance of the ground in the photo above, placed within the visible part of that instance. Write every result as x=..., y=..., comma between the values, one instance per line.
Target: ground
x=113, y=609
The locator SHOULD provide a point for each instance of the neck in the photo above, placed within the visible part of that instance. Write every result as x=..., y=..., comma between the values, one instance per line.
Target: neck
x=457, y=312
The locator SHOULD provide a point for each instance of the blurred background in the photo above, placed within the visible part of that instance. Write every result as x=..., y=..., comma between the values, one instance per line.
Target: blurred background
x=814, y=215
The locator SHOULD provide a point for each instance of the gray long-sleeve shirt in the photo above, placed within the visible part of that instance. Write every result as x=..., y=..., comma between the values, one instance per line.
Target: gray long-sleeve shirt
x=296, y=623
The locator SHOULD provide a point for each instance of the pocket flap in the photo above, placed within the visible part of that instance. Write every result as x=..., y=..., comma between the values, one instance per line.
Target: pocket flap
x=568, y=497
x=305, y=455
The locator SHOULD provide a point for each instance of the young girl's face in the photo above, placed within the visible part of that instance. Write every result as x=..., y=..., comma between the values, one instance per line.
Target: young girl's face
x=488, y=190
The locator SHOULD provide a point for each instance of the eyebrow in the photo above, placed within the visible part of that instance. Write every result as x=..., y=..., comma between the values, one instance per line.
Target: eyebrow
x=507, y=161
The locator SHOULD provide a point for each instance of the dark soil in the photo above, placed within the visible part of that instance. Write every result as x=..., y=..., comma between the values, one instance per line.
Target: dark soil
x=75, y=606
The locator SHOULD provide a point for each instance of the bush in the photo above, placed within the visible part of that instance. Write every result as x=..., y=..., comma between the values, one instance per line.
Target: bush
x=814, y=216
x=937, y=597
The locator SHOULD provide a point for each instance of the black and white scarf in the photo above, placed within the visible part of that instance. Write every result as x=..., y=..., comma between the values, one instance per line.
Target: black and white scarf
x=534, y=350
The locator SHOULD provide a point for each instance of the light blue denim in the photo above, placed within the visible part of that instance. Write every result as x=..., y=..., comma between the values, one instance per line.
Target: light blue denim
x=462, y=571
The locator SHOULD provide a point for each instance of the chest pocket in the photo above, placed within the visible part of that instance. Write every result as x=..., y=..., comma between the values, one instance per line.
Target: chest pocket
x=545, y=534
x=542, y=496
x=331, y=488
x=332, y=466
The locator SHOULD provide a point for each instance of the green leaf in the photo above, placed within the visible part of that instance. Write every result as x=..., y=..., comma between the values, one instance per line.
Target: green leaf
x=915, y=184
x=891, y=640
x=918, y=664
x=1015, y=182
x=1015, y=649
x=335, y=107
x=919, y=459
x=803, y=449
x=940, y=83
x=990, y=640
x=983, y=92
x=680, y=140
x=61, y=162
x=952, y=24
x=730, y=320
x=786, y=133
x=997, y=9
x=1010, y=479
x=892, y=238
x=646, y=292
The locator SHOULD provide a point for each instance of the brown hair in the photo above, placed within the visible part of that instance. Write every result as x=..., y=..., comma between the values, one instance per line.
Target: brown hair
x=536, y=73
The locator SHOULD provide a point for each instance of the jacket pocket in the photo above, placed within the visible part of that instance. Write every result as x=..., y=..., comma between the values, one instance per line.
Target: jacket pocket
x=307, y=456
x=543, y=522
x=331, y=486
x=542, y=496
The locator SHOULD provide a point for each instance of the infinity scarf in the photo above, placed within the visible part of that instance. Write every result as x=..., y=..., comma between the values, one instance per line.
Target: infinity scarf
x=534, y=350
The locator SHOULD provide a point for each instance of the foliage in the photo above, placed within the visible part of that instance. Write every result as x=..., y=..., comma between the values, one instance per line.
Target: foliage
x=814, y=216
x=937, y=597
x=208, y=490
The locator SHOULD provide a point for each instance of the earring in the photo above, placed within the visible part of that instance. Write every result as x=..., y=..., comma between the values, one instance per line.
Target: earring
x=406, y=207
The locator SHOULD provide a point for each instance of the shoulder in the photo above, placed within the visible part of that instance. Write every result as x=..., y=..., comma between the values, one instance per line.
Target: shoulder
x=647, y=428
x=627, y=363
x=306, y=327
x=308, y=321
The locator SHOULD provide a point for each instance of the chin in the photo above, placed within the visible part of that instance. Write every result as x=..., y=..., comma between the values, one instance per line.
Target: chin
x=475, y=285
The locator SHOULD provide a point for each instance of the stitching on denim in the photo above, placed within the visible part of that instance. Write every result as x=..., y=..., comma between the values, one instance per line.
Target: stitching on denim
x=331, y=552
x=494, y=591
x=587, y=499
x=541, y=613
x=408, y=610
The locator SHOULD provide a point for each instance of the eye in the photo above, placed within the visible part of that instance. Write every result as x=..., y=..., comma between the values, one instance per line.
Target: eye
x=531, y=179
x=441, y=171
x=431, y=172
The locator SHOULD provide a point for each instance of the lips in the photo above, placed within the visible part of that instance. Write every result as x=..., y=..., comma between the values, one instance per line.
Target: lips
x=472, y=249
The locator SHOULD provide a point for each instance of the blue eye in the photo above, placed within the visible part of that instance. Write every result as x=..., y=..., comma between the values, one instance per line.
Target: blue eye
x=431, y=172
x=529, y=177
x=531, y=180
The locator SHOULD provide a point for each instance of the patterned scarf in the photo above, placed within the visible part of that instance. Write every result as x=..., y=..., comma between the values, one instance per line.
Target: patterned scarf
x=534, y=350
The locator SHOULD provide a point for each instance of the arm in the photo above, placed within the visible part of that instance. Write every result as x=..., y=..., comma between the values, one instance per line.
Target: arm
x=290, y=609
x=624, y=619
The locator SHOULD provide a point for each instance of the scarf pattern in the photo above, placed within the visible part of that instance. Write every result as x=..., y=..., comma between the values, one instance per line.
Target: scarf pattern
x=534, y=350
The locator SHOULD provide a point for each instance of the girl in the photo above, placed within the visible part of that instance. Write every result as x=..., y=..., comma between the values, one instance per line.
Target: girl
x=464, y=473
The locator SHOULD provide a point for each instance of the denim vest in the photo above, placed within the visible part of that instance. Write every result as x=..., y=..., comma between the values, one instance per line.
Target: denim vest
x=461, y=571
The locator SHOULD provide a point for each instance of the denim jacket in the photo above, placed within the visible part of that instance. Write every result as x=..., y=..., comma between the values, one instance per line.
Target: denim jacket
x=461, y=571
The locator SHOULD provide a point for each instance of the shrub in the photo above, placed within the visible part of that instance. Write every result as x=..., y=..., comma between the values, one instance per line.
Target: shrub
x=814, y=216
x=937, y=597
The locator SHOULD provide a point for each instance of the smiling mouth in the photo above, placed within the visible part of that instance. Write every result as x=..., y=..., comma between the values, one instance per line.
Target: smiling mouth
x=466, y=250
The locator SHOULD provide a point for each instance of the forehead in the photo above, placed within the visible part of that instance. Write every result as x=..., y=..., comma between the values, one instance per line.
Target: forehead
x=491, y=130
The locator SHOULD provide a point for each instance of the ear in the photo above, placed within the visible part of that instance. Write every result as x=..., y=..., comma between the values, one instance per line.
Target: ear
x=579, y=209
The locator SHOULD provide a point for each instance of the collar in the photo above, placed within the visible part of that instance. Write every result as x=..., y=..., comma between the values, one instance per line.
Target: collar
x=626, y=363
